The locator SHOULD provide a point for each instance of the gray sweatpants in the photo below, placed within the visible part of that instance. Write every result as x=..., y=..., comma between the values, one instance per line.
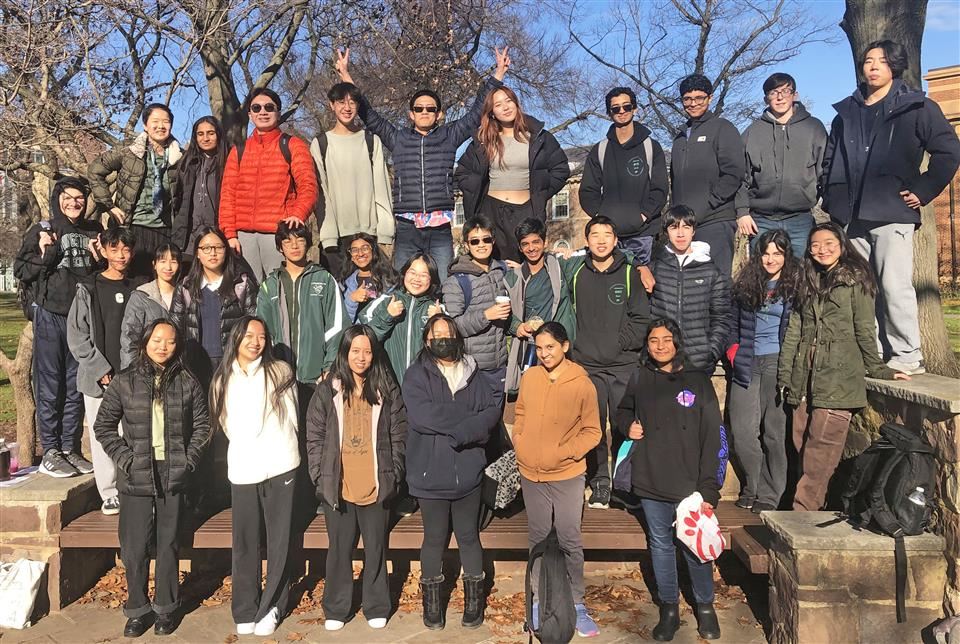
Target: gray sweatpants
x=560, y=504
x=759, y=425
x=889, y=249
x=104, y=469
x=260, y=252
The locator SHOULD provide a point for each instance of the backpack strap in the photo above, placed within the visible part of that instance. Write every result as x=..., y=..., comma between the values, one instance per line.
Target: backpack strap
x=648, y=153
x=240, y=148
x=285, y=148
x=602, y=151
x=629, y=271
x=323, y=143
x=573, y=286
x=464, y=280
x=900, y=563
x=535, y=553
x=368, y=138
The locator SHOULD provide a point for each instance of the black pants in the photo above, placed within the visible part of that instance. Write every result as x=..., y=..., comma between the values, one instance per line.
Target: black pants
x=721, y=235
x=148, y=522
x=270, y=504
x=506, y=217
x=342, y=527
x=611, y=383
x=437, y=515
x=59, y=404
x=148, y=241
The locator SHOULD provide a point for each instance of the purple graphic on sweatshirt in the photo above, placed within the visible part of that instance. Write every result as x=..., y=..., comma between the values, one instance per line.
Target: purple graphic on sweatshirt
x=686, y=398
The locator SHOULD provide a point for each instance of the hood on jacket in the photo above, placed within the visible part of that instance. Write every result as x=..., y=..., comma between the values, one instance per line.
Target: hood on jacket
x=465, y=264
x=640, y=133
x=900, y=96
x=76, y=183
x=703, y=118
x=800, y=113
x=139, y=148
x=469, y=370
x=700, y=251
x=619, y=259
x=151, y=290
x=571, y=372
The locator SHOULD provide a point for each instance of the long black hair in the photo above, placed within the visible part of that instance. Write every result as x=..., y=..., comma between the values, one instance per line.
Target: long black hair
x=377, y=381
x=194, y=279
x=674, y=329
x=382, y=274
x=434, y=291
x=457, y=337
x=278, y=376
x=194, y=155
x=169, y=370
x=851, y=268
x=750, y=287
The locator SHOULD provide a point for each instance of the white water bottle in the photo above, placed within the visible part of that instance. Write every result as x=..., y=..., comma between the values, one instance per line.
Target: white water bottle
x=918, y=497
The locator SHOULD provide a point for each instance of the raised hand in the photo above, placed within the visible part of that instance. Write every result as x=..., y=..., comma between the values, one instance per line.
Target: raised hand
x=434, y=308
x=503, y=63
x=395, y=307
x=342, y=63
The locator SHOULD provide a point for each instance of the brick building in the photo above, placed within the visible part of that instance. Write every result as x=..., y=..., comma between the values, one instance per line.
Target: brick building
x=943, y=86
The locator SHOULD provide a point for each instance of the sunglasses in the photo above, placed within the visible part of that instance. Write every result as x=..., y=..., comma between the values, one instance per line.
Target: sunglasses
x=425, y=108
x=269, y=108
x=618, y=109
x=476, y=241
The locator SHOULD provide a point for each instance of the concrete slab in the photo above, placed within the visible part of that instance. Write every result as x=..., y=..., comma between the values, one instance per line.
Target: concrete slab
x=806, y=531
x=936, y=392
x=41, y=487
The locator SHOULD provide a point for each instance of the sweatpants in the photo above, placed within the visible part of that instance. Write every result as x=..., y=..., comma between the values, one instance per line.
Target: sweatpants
x=437, y=515
x=660, y=517
x=266, y=504
x=721, y=236
x=759, y=425
x=889, y=249
x=557, y=504
x=819, y=436
x=343, y=524
x=148, y=240
x=611, y=383
x=260, y=252
x=104, y=469
x=151, y=523
x=506, y=217
x=59, y=404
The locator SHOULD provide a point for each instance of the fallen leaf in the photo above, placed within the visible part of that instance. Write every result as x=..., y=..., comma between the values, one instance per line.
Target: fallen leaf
x=295, y=637
x=230, y=639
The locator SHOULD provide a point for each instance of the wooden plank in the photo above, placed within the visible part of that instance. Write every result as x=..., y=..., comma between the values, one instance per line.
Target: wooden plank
x=750, y=544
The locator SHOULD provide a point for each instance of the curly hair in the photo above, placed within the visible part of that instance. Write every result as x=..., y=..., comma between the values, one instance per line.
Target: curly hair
x=750, y=287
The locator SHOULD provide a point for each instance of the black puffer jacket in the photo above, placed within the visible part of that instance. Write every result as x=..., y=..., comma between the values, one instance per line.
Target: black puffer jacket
x=549, y=171
x=423, y=165
x=186, y=429
x=185, y=224
x=242, y=300
x=325, y=432
x=697, y=297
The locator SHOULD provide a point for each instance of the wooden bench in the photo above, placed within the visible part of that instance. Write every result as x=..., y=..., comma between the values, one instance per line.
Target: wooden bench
x=602, y=530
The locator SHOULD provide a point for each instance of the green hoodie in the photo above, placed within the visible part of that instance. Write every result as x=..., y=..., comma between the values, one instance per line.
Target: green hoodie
x=402, y=337
x=320, y=320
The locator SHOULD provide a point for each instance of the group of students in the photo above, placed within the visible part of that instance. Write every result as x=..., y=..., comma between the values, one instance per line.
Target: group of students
x=381, y=374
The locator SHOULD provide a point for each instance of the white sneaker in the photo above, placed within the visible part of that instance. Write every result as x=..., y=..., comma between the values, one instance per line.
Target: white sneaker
x=909, y=368
x=333, y=625
x=246, y=628
x=377, y=622
x=268, y=624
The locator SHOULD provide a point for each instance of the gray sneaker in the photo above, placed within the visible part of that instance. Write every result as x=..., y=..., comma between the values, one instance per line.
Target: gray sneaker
x=909, y=368
x=81, y=464
x=56, y=465
x=111, y=506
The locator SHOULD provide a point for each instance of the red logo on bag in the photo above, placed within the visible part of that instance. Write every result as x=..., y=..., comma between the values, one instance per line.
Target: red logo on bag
x=694, y=529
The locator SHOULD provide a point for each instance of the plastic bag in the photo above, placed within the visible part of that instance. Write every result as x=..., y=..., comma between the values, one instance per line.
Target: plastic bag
x=699, y=531
x=19, y=582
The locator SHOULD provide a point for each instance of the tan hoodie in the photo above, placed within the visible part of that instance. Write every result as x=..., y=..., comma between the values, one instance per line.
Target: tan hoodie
x=556, y=424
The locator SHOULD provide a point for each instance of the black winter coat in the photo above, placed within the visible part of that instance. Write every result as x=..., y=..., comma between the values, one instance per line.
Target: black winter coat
x=185, y=309
x=423, y=165
x=184, y=222
x=744, y=334
x=186, y=430
x=549, y=171
x=325, y=432
x=697, y=297
x=910, y=125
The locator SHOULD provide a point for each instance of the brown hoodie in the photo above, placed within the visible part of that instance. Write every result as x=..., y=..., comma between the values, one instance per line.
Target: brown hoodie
x=556, y=423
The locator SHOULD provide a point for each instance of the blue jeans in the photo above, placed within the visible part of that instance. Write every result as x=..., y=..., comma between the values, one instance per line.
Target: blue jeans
x=59, y=404
x=797, y=226
x=437, y=242
x=641, y=246
x=660, y=516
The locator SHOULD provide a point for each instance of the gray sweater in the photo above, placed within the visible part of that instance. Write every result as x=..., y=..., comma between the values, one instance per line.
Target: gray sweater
x=486, y=341
x=144, y=307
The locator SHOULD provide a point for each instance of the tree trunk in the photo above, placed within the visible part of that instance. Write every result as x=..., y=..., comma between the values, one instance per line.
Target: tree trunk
x=224, y=102
x=865, y=21
x=18, y=370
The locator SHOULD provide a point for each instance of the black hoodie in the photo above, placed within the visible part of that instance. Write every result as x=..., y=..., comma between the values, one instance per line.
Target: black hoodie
x=625, y=188
x=65, y=262
x=611, y=308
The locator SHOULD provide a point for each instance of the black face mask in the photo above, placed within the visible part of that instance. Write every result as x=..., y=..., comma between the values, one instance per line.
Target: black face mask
x=443, y=348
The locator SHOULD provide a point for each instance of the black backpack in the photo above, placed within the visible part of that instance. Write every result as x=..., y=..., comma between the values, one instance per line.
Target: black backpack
x=890, y=492
x=26, y=297
x=558, y=615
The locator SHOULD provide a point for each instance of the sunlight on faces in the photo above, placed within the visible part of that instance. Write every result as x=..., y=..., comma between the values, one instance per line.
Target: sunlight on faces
x=162, y=343
x=825, y=248
x=618, y=103
x=265, y=119
x=417, y=278
x=780, y=100
x=424, y=120
x=212, y=253
x=166, y=268
x=345, y=109
x=118, y=256
x=550, y=351
x=772, y=260
x=680, y=235
x=206, y=137
x=601, y=241
x=504, y=108
x=660, y=346
x=480, y=243
x=875, y=68
x=252, y=342
x=696, y=103
x=532, y=247
x=158, y=126
x=440, y=329
x=294, y=248
x=361, y=252
x=72, y=203
x=360, y=356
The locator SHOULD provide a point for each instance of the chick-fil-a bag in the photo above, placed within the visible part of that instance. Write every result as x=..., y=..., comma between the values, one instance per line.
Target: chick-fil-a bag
x=699, y=531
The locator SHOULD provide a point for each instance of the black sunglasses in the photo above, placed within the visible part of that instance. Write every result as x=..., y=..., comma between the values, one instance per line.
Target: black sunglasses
x=617, y=109
x=269, y=108
x=425, y=108
x=476, y=241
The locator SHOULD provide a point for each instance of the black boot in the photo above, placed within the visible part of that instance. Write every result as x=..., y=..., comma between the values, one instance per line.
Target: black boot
x=137, y=626
x=707, y=624
x=472, y=600
x=433, y=617
x=165, y=624
x=669, y=623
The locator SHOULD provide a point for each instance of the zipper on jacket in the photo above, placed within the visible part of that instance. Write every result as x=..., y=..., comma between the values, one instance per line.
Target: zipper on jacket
x=409, y=329
x=423, y=178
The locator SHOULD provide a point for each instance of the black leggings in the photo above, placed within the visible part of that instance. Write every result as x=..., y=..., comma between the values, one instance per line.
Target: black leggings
x=506, y=217
x=436, y=514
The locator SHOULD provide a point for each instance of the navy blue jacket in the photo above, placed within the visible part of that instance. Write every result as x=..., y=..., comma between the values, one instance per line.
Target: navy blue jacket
x=446, y=432
x=743, y=340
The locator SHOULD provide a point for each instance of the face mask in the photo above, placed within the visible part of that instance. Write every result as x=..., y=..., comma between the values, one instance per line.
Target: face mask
x=443, y=348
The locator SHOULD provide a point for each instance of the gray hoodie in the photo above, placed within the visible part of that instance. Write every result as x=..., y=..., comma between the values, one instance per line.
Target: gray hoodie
x=144, y=307
x=783, y=165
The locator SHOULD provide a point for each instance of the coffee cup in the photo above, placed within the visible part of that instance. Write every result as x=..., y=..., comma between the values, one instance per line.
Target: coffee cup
x=502, y=299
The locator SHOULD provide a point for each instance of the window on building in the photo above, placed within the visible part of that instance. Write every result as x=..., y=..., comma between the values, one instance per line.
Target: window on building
x=561, y=205
x=458, y=212
x=561, y=244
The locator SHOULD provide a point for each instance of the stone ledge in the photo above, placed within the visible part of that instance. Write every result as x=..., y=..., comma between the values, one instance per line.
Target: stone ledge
x=936, y=392
x=799, y=531
x=46, y=488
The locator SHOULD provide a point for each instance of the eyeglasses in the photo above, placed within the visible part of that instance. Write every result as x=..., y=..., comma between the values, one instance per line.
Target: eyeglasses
x=293, y=242
x=211, y=250
x=476, y=241
x=360, y=250
x=430, y=109
x=780, y=93
x=269, y=108
x=619, y=109
x=830, y=245
x=694, y=100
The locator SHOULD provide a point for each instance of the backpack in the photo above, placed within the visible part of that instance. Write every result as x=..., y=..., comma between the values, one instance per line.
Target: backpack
x=464, y=281
x=27, y=296
x=288, y=157
x=323, y=143
x=889, y=491
x=558, y=615
x=647, y=153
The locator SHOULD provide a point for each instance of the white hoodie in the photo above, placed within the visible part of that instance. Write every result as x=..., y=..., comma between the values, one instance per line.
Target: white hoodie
x=261, y=446
x=699, y=250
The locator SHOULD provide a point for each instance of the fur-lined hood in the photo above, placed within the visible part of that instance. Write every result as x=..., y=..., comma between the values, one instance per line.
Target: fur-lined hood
x=139, y=148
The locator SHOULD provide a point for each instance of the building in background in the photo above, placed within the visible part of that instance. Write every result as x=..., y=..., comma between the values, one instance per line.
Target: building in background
x=943, y=86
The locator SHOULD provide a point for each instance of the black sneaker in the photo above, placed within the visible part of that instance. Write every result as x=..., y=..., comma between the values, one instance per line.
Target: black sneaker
x=744, y=503
x=111, y=506
x=79, y=463
x=599, y=495
x=56, y=465
x=759, y=507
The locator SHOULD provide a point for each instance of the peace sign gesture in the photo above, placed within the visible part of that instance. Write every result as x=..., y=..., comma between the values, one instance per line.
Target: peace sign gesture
x=503, y=63
x=341, y=64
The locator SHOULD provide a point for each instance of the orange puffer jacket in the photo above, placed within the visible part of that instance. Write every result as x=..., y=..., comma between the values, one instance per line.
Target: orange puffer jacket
x=257, y=194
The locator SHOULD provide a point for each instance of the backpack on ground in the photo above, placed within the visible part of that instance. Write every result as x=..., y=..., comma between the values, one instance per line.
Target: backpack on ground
x=557, y=614
x=890, y=492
